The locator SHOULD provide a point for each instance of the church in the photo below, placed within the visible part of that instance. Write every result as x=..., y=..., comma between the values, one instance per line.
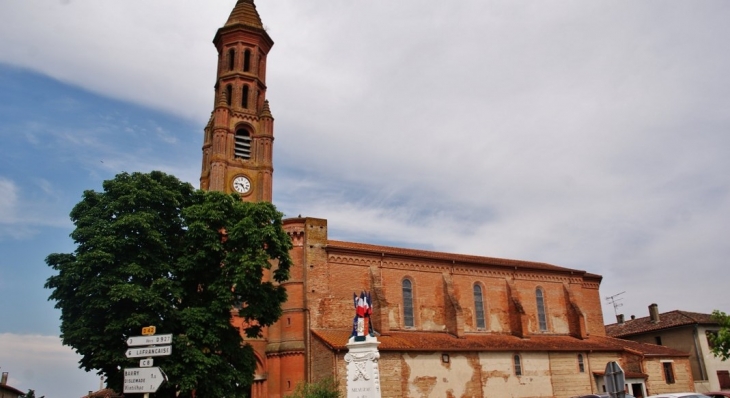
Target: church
x=449, y=325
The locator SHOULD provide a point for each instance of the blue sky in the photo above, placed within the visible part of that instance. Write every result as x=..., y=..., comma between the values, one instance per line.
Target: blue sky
x=59, y=140
x=590, y=135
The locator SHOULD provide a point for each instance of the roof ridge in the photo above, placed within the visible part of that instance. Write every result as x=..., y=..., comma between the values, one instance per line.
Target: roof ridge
x=686, y=315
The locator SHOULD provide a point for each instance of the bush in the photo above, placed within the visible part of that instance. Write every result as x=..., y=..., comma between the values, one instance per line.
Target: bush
x=325, y=388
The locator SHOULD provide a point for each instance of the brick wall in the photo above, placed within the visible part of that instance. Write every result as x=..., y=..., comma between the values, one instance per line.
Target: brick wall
x=597, y=363
x=323, y=281
x=444, y=301
x=322, y=360
x=567, y=379
x=657, y=383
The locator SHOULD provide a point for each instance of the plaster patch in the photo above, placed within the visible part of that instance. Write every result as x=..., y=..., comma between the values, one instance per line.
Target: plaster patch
x=439, y=380
x=559, y=325
x=393, y=317
x=495, y=324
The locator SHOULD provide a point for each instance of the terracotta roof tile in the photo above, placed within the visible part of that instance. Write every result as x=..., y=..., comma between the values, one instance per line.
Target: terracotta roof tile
x=484, y=342
x=667, y=320
x=105, y=393
x=11, y=390
x=462, y=258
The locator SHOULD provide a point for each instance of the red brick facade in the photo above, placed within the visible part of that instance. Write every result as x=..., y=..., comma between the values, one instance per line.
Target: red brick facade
x=546, y=317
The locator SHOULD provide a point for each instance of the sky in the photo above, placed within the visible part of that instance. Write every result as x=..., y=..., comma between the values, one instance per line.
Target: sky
x=589, y=135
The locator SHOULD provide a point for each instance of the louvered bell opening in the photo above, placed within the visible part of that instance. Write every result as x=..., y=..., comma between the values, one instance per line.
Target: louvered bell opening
x=243, y=145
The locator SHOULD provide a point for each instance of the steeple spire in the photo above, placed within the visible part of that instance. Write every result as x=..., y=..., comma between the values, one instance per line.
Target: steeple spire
x=245, y=13
x=238, y=140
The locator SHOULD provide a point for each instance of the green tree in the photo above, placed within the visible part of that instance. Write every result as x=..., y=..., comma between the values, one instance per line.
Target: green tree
x=325, y=388
x=29, y=394
x=720, y=341
x=152, y=250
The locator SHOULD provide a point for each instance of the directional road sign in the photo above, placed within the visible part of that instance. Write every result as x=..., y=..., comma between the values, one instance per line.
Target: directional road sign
x=149, y=351
x=149, y=340
x=614, y=380
x=143, y=380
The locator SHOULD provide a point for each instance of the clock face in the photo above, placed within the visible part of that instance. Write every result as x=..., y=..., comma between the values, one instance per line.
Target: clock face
x=241, y=184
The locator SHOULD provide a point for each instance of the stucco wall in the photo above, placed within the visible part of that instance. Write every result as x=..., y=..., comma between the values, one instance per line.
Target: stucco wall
x=712, y=363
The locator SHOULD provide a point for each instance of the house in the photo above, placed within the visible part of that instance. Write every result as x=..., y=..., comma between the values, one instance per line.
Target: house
x=6, y=391
x=449, y=324
x=683, y=331
x=103, y=393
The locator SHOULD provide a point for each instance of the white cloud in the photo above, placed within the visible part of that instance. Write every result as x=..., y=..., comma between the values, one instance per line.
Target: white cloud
x=8, y=200
x=21, y=216
x=584, y=134
x=43, y=364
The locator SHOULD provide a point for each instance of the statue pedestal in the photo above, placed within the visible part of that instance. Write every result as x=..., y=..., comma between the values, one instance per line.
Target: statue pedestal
x=363, y=375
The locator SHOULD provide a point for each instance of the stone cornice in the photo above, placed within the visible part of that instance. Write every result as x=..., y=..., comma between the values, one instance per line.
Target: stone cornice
x=459, y=269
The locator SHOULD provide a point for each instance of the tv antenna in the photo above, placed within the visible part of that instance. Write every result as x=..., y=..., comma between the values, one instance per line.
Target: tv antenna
x=615, y=302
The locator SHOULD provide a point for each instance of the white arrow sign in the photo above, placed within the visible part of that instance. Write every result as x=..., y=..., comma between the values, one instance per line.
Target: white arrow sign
x=143, y=380
x=149, y=340
x=149, y=351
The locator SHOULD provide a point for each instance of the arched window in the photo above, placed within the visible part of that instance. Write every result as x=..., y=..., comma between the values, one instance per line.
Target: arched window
x=231, y=59
x=518, y=364
x=408, y=303
x=541, y=317
x=581, y=365
x=229, y=94
x=479, y=307
x=244, y=96
x=247, y=60
x=243, y=144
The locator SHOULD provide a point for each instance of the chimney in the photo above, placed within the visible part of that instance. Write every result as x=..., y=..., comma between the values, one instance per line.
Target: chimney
x=620, y=319
x=633, y=317
x=4, y=379
x=654, y=313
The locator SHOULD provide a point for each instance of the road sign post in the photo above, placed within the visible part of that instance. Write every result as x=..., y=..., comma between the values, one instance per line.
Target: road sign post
x=143, y=380
x=146, y=379
x=614, y=379
x=157, y=351
x=157, y=339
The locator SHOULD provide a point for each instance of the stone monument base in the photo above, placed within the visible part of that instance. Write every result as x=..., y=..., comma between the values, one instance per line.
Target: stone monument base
x=363, y=375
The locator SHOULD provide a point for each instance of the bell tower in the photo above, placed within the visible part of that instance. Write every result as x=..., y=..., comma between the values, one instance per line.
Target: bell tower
x=239, y=137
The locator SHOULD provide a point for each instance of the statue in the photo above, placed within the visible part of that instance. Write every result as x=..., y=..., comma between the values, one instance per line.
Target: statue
x=361, y=324
x=363, y=373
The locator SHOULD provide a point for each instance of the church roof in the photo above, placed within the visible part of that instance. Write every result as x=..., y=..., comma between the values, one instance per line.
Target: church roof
x=667, y=320
x=451, y=257
x=495, y=342
x=245, y=13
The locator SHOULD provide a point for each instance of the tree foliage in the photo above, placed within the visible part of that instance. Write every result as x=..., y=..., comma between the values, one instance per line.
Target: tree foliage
x=152, y=250
x=325, y=388
x=29, y=394
x=720, y=341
